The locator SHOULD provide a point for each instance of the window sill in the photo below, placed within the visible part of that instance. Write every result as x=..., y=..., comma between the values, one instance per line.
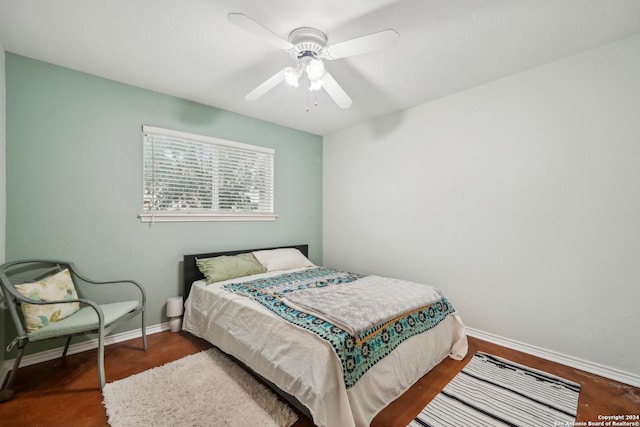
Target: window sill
x=201, y=217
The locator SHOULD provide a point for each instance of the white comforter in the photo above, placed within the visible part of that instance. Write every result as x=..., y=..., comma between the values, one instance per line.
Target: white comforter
x=378, y=299
x=306, y=366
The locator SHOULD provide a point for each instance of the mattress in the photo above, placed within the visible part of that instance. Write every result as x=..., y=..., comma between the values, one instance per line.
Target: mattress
x=306, y=366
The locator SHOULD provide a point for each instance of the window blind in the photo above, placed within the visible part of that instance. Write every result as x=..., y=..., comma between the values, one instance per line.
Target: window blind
x=194, y=175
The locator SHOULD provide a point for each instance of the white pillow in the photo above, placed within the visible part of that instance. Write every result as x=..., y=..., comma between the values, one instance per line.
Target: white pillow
x=282, y=259
x=56, y=287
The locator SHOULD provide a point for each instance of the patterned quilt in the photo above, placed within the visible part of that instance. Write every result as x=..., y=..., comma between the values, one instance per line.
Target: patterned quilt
x=359, y=353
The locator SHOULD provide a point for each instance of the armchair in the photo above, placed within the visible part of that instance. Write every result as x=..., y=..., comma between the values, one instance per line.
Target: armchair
x=46, y=299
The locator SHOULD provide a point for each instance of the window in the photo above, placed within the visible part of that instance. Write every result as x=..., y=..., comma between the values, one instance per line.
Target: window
x=190, y=177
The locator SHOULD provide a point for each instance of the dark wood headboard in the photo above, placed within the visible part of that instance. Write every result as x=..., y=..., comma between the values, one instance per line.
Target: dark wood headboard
x=191, y=273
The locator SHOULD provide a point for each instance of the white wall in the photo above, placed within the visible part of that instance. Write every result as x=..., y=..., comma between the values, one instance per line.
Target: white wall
x=520, y=199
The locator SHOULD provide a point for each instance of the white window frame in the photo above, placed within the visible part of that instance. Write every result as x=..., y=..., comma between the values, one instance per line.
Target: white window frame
x=190, y=215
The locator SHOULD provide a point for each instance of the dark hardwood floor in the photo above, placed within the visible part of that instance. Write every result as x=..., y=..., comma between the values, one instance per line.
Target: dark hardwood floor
x=65, y=392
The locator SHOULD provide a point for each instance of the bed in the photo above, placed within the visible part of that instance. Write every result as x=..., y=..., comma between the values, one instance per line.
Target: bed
x=263, y=322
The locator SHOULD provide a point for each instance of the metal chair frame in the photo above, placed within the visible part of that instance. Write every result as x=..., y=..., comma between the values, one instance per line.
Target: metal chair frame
x=45, y=268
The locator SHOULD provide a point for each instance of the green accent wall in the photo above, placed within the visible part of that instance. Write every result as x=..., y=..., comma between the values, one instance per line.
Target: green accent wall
x=74, y=180
x=3, y=187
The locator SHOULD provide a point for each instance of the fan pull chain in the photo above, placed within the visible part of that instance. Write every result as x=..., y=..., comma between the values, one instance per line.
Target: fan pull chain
x=315, y=100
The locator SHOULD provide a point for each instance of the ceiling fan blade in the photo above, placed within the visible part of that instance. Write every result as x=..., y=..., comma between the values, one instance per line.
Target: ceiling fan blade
x=244, y=22
x=336, y=92
x=265, y=87
x=360, y=45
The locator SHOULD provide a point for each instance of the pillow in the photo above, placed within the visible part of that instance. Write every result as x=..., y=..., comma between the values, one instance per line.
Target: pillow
x=282, y=259
x=226, y=267
x=56, y=287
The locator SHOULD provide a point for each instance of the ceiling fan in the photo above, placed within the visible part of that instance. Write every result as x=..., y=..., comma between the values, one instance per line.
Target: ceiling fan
x=308, y=47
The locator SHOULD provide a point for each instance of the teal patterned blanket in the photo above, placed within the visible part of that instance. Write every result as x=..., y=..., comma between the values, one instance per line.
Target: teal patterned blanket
x=356, y=353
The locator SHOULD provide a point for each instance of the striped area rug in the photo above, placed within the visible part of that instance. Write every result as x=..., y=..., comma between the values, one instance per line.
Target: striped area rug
x=491, y=391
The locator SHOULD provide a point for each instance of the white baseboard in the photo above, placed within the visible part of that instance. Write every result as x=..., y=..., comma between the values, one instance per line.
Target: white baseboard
x=56, y=353
x=574, y=362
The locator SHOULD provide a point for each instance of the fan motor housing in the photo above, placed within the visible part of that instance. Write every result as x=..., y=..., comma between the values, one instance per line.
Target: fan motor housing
x=307, y=41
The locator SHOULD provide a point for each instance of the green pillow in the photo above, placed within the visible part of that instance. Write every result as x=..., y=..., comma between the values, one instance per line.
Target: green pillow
x=227, y=267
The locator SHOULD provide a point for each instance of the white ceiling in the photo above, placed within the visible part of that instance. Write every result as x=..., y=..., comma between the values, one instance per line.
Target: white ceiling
x=188, y=49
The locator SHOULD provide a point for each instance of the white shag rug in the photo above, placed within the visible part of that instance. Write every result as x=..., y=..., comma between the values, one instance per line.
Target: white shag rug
x=204, y=389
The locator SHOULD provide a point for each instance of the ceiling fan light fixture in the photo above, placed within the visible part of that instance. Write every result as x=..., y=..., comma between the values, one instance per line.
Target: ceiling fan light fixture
x=308, y=46
x=316, y=85
x=315, y=69
x=292, y=76
x=315, y=72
